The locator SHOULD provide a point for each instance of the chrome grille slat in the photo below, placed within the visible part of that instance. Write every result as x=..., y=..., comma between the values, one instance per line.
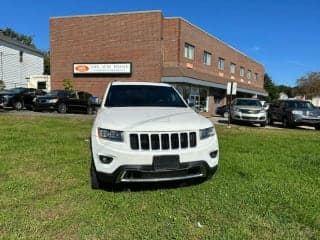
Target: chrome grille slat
x=162, y=141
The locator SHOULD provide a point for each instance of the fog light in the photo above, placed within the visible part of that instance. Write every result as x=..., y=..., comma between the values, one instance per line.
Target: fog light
x=105, y=159
x=214, y=154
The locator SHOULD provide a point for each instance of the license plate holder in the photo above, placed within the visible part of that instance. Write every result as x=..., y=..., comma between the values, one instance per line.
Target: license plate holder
x=166, y=162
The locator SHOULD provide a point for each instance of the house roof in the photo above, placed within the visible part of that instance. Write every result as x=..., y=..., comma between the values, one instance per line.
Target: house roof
x=16, y=43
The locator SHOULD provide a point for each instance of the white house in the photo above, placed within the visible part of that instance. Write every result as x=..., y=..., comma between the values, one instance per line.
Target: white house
x=18, y=62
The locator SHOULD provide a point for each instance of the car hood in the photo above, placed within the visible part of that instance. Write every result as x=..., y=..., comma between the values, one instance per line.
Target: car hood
x=150, y=119
x=2, y=94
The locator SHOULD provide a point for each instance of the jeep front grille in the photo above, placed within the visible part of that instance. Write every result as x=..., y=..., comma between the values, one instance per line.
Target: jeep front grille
x=162, y=141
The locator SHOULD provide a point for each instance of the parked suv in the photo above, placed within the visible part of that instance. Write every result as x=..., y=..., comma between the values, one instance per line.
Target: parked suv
x=248, y=110
x=145, y=132
x=20, y=97
x=65, y=101
x=294, y=113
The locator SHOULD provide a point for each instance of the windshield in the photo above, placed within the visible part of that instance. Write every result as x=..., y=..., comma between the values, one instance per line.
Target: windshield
x=248, y=102
x=143, y=96
x=300, y=105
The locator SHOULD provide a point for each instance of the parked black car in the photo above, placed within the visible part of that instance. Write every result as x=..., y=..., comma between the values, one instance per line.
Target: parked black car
x=223, y=111
x=66, y=101
x=20, y=97
x=294, y=113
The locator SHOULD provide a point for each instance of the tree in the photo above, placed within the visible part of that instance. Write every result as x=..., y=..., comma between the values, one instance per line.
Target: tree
x=24, y=39
x=67, y=84
x=287, y=90
x=309, y=84
x=46, y=59
x=271, y=88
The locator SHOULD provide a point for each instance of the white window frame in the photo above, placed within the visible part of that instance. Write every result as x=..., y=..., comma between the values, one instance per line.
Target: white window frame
x=207, y=58
x=189, y=51
x=221, y=63
x=232, y=68
x=242, y=70
x=249, y=73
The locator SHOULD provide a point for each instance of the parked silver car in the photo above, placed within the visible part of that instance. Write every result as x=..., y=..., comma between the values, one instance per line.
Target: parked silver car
x=248, y=110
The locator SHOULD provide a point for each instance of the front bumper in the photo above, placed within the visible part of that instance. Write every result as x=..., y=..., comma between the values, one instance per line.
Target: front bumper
x=146, y=173
x=252, y=118
x=4, y=103
x=305, y=120
x=138, y=165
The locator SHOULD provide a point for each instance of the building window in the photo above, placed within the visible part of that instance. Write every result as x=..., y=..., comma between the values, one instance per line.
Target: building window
x=188, y=51
x=221, y=64
x=232, y=68
x=206, y=58
x=241, y=71
x=249, y=74
x=21, y=56
x=256, y=76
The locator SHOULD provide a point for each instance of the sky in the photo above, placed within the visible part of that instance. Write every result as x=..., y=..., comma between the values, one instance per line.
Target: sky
x=283, y=35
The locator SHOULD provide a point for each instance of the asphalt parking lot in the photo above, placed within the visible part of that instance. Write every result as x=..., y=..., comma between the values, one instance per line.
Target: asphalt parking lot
x=46, y=114
x=219, y=120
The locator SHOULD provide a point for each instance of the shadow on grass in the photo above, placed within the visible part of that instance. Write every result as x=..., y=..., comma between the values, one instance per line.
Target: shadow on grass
x=153, y=186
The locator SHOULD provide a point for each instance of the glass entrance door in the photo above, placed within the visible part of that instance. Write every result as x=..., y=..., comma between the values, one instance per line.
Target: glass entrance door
x=195, y=102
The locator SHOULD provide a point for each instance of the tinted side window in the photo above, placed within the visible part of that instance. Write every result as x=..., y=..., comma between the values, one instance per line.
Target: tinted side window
x=73, y=95
x=82, y=95
x=283, y=104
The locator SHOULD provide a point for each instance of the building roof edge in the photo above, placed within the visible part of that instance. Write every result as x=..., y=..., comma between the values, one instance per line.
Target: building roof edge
x=107, y=14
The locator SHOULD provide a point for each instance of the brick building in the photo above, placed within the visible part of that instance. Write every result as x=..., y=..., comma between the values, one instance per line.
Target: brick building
x=145, y=46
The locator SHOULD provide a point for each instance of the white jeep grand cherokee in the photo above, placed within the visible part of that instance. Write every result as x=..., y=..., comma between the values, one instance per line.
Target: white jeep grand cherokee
x=145, y=132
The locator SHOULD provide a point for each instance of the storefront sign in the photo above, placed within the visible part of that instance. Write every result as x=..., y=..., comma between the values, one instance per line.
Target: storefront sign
x=102, y=68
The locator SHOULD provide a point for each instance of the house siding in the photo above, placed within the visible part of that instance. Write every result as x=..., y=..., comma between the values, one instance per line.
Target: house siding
x=15, y=73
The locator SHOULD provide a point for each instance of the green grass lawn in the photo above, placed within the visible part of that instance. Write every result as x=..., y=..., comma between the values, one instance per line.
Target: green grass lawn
x=267, y=187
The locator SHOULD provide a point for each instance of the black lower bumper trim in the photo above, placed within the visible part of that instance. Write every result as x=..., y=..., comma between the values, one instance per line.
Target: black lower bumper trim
x=146, y=173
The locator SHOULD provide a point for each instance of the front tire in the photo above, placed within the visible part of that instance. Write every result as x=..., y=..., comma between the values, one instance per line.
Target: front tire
x=286, y=123
x=317, y=127
x=89, y=110
x=95, y=183
x=269, y=120
x=263, y=124
x=62, y=108
x=18, y=105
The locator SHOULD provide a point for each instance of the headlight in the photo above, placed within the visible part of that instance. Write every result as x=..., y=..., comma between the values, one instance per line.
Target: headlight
x=235, y=109
x=297, y=112
x=52, y=100
x=111, y=135
x=5, y=99
x=206, y=132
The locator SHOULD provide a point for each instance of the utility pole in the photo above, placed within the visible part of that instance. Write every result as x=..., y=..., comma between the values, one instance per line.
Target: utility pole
x=231, y=90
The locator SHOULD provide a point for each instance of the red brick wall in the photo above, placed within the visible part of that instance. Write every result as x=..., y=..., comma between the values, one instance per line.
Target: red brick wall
x=133, y=38
x=171, y=36
x=152, y=43
x=203, y=42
